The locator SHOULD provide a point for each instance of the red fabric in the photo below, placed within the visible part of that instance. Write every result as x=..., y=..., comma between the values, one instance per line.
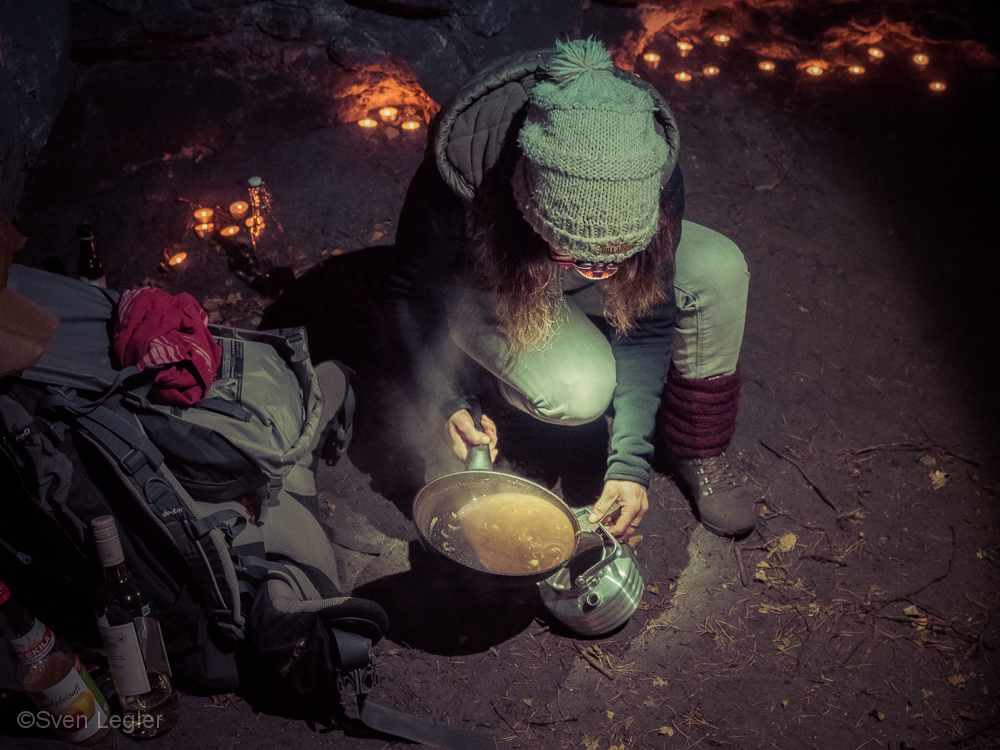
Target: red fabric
x=156, y=328
x=697, y=417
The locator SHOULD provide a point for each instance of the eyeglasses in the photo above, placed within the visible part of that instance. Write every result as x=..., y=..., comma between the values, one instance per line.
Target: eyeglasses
x=585, y=268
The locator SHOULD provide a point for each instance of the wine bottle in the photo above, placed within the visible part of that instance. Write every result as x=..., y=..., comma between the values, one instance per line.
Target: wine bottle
x=133, y=642
x=89, y=267
x=50, y=672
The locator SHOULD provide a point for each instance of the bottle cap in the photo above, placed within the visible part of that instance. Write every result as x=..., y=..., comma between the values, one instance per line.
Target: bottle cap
x=104, y=528
x=254, y=181
x=4, y=592
x=109, y=546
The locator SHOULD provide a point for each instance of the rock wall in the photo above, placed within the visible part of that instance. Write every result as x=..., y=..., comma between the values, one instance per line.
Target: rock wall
x=35, y=76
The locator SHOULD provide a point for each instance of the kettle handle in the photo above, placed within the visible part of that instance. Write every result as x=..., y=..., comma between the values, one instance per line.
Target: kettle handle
x=479, y=455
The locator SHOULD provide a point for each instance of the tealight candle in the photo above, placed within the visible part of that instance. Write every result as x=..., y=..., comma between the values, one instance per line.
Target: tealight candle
x=711, y=70
x=876, y=53
x=683, y=76
x=652, y=58
x=203, y=215
x=684, y=47
x=814, y=70
x=238, y=209
x=921, y=59
x=204, y=230
x=367, y=122
x=388, y=113
x=856, y=70
x=410, y=125
x=229, y=231
x=174, y=256
x=721, y=39
x=937, y=86
x=767, y=66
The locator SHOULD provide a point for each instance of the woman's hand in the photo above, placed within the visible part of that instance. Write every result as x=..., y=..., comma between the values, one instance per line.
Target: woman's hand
x=462, y=433
x=632, y=506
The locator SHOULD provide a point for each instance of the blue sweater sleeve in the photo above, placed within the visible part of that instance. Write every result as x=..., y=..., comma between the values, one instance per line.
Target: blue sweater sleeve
x=641, y=363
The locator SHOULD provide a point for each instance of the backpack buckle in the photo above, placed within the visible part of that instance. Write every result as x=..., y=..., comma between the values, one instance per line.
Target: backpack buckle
x=358, y=681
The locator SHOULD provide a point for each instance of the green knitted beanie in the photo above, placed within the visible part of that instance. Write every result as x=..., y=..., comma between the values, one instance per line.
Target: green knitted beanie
x=590, y=182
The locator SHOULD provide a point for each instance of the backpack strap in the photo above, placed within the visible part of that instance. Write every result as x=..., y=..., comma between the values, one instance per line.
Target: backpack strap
x=140, y=464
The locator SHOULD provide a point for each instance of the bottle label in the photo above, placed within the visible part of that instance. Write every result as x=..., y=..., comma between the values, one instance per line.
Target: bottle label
x=34, y=645
x=74, y=707
x=124, y=652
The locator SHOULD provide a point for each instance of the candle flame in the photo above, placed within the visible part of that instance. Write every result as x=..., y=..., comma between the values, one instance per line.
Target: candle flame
x=367, y=122
x=387, y=113
x=921, y=59
x=856, y=69
x=652, y=58
x=721, y=38
x=766, y=66
x=229, y=231
x=711, y=70
x=937, y=86
x=684, y=46
x=814, y=70
x=174, y=256
x=410, y=125
x=682, y=76
x=876, y=53
x=203, y=214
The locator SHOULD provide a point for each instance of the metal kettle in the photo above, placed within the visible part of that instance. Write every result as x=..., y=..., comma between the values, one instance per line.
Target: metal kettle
x=598, y=589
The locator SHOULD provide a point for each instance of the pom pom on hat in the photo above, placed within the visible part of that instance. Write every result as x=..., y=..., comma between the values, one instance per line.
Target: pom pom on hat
x=575, y=59
x=590, y=180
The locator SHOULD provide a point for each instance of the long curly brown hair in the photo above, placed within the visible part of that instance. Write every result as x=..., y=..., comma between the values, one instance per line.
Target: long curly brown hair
x=512, y=262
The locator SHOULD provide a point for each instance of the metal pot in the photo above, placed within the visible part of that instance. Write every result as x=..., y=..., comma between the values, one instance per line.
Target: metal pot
x=441, y=500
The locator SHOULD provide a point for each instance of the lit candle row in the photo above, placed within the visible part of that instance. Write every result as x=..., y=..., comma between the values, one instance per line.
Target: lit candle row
x=389, y=115
x=817, y=68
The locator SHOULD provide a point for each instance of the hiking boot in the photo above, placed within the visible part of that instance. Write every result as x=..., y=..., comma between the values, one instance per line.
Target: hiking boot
x=724, y=507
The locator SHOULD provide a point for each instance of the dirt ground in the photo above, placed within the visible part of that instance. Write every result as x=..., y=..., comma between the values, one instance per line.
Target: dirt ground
x=861, y=612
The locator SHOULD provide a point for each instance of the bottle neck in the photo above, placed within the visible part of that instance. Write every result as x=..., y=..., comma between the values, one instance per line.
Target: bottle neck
x=115, y=573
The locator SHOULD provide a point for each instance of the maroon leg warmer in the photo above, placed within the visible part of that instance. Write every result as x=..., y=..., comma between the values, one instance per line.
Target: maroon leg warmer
x=697, y=417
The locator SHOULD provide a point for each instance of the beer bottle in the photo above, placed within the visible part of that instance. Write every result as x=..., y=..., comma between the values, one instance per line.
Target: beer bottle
x=50, y=672
x=133, y=642
x=89, y=267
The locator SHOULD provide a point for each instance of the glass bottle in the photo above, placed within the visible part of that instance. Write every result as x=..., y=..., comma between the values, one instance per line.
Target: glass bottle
x=133, y=642
x=50, y=672
x=89, y=267
x=268, y=241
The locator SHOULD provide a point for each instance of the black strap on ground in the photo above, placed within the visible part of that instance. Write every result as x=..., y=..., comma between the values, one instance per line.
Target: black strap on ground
x=398, y=724
x=357, y=676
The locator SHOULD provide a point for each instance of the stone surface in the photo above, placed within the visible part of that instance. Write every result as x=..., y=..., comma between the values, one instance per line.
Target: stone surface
x=35, y=76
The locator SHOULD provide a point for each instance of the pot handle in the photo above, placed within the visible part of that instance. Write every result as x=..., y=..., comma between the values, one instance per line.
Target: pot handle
x=479, y=455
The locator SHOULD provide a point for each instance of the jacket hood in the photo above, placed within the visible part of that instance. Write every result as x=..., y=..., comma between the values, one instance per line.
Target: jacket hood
x=475, y=126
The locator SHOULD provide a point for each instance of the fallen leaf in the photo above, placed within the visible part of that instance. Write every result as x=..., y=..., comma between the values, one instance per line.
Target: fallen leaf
x=526, y=701
x=927, y=693
x=763, y=564
x=784, y=704
x=590, y=744
x=938, y=479
x=786, y=543
x=659, y=682
x=611, y=714
x=803, y=309
x=669, y=731
x=928, y=460
x=649, y=703
x=634, y=540
x=912, y=611
x=967, y=714
x=652, y=588
x=957, y=679
x=760, y=575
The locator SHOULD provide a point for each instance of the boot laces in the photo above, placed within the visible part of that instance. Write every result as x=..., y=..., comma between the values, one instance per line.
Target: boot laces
x=717, y=473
